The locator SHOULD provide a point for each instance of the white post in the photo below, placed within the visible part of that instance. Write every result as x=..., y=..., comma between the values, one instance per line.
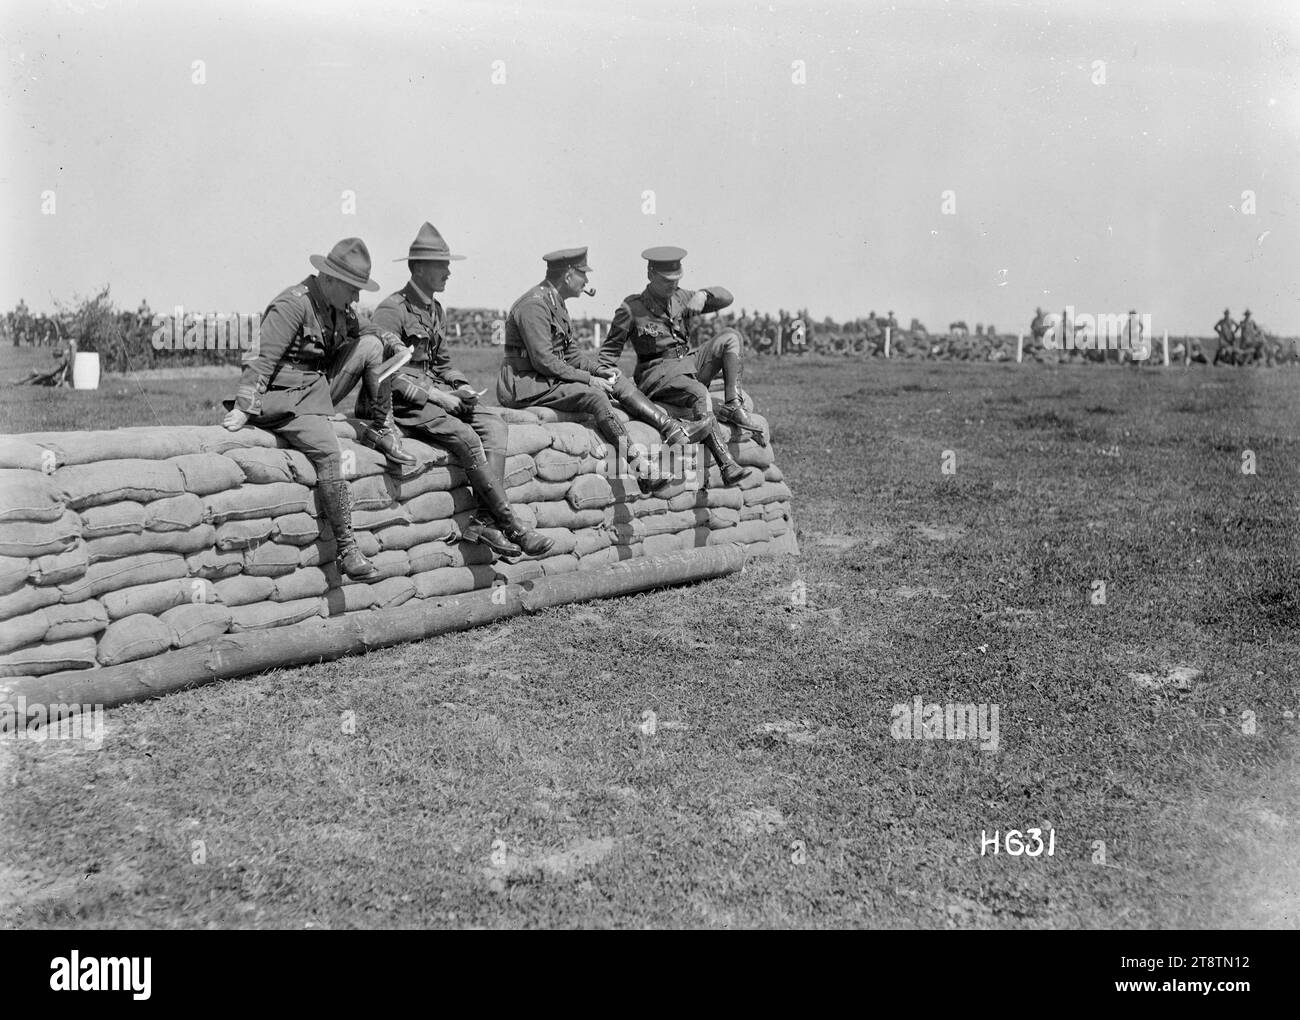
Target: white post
x=595, y=325
x=886, y=341
x=458, y=330
x=1020, y=347
x=1166, y=348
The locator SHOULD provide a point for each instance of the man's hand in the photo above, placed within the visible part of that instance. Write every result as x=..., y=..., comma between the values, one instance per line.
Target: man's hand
x=605, y=386
x=611, y=373
x=698, y=300
x=235, y=420
x=449, y=402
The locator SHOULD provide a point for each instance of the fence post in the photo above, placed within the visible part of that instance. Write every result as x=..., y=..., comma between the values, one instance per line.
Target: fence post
x=1020, y=347
x=595, y=325
x=886, y=341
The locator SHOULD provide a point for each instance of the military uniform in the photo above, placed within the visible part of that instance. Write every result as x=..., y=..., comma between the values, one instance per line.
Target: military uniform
x=285, y=384
x=659, y=330
x=536, y=368
x=420, y=323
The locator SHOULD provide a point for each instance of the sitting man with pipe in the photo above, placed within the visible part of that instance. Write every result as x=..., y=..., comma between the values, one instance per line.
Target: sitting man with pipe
x=435, y=402
x=658, y=322
x=311, y=347
x=542, y=367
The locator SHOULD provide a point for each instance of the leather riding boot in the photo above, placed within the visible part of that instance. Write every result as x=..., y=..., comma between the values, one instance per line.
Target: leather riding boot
x=336, y=504
x=495, y=524
x=382, y=433
x=716, y=444
x=642, y=408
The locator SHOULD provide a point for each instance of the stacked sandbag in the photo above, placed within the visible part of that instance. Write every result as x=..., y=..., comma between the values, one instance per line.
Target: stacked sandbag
x=118, y=546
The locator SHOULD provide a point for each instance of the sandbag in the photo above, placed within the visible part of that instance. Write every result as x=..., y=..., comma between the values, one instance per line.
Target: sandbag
x=244, y=590
x=158, y=597
x=176, y=513
x=778, y=527
x=112, y=575
x=722, y=517
x=125, y=518
x=469, y=554
x=562, y=564
x=254, y=502
x=376, y=492
x=773, y=473
x=627, y=532
x=555, y=466
x=361, y=461
x=13, y=573
x=767, y=492
x=144, y=442
x=434, y=506
x=607, y=557
x=39, y=538
x=589, y=492
x=564, y=539
x=643, y=435
x=49, y=657
x=206, y=473
x=296, y=529
x=262, y=467
x=537, y=491
x=662, y=545
x=29, y=496
x=264, y=615
x=518, y=572
x=27, y=600
x=352, y=598
x=750, y=454
x=520, y=469
x=776, y=511
x=669, y=523
x=393, y=563
x=60, y=568
x=372, y=520
x=79, y=619
x=572, y=438
x=523, y=415
x=17, y=453
x=270, y=560
x=752, y=479
x=452, y=580
x=392, y=591
x=184, y=542
x=194, y=623
x=529, y=439
x=28, y=629
x=134, y=637
x=589, y=540
x=426, y=455
x=111, y=481
x=712, y=498
x=303, y=583
x=408, y=536
x=214, y=565
x=647, y=506
x=430, y=556
x=751, y=512
x=435, y=479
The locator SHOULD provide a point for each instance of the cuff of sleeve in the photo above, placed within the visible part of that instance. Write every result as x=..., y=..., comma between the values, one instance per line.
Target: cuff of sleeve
x=456, y=379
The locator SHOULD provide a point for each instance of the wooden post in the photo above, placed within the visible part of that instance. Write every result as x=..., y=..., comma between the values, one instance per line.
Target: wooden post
x=1166, y=348
x=595, y=331
x=1020, y=348
x=886, y=341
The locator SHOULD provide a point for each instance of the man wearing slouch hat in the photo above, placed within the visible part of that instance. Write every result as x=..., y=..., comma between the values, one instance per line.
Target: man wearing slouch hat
x=435, y=402
x=310, y=347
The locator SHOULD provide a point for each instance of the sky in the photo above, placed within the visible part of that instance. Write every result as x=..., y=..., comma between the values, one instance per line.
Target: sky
x=941, y=160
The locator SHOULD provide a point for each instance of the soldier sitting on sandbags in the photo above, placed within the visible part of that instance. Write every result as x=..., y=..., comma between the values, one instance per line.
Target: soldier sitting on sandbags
x=542, y=367
x=310, y=347
x=434, y=402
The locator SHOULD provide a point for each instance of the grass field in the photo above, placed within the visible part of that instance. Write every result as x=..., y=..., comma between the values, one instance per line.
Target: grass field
x=510, y=776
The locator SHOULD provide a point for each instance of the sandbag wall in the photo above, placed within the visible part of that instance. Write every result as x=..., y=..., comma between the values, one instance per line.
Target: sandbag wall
x=118, y=546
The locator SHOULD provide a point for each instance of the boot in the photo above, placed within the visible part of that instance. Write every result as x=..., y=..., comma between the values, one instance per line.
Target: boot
x=382, y=433
x=336, y=504
x=642, y=408
x=716, y=443
x=496, y=525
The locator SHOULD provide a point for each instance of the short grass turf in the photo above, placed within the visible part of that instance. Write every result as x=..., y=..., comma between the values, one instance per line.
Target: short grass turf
x=514, y=776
